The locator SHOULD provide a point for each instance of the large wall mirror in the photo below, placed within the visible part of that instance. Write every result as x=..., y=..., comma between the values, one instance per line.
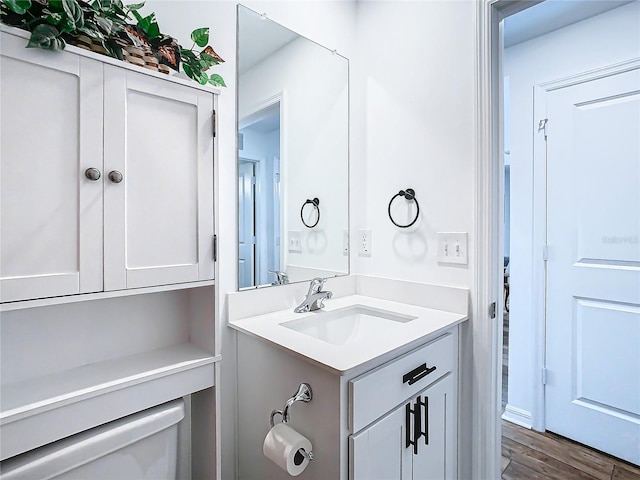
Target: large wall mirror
x=293, y=156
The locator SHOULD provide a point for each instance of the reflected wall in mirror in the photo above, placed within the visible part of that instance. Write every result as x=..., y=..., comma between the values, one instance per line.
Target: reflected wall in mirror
x=293, y=156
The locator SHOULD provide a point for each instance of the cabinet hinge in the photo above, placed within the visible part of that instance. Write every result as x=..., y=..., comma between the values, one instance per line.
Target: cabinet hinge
x=545, y=253
x=492, y=310
x=543, y=376
x=542, y=127
x=213, y=118
x=215, y=248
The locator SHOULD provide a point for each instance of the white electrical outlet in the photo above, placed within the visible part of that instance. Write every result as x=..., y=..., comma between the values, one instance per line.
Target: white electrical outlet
x=453, y=248
x=364, y=242
x=345, y=242
x=295, y=241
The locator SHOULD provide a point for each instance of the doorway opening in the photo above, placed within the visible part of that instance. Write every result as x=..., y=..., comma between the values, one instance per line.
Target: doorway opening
x=538, y=194
x=259, y=202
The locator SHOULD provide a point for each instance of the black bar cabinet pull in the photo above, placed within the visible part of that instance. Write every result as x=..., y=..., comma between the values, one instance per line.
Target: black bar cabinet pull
x=417, y=373
x=417, y=425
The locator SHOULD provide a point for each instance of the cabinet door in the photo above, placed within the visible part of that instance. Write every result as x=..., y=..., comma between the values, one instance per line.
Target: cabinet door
x=379, y=453
x=437, y=449
x=51, y=132
x=159, y=217
x=383, y=451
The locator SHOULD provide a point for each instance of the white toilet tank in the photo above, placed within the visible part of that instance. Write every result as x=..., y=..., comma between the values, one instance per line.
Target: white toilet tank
x=141, y=446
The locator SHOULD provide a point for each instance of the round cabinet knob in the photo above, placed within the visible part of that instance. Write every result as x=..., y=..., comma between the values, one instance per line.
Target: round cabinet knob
x=115, y=176
x=92, y=174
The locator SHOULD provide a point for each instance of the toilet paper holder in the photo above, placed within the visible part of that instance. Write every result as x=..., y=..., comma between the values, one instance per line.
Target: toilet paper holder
x=303, y=394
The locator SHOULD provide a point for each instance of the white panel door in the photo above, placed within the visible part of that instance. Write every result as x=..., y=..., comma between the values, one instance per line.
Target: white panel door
x=51, y=132
x=593, y=270
x=159, y=217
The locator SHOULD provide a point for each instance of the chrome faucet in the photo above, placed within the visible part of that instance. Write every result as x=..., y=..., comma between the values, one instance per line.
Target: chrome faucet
x=281, y=277
x=315, y=297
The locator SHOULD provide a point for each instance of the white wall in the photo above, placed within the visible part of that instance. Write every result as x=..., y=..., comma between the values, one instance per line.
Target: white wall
x=414, y=97
x=603, y=40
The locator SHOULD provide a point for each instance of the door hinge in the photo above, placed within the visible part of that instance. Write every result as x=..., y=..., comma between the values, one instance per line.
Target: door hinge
x=215, y=248
x=492, y=310
x=543, y=376
x=213, y=118
x=545, y=253
x=253, y=180
x=254, y=240
x=542, y=127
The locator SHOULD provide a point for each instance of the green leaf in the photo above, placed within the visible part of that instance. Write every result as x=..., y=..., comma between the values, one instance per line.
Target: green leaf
x=46, y=37
x=18, y=6
x=203, y=78
x=200, y=36
x=92, y=31
x=113, y=48
x=187, y=70
x=70, y=8
x=148, y=24
x=188, y=54
x=216, y=80
x=209, y=60
x=105, y=24
x=53, y=19
x=134, y=6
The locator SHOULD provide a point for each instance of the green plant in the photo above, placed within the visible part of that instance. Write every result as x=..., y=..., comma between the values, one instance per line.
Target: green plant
x=195, y=64
x=54, y=23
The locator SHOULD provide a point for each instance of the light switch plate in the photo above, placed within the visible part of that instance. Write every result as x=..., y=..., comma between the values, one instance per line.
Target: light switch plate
x=295, y=241
x=453, y=248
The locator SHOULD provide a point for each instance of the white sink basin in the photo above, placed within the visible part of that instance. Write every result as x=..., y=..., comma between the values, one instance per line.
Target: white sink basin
x=355, y=322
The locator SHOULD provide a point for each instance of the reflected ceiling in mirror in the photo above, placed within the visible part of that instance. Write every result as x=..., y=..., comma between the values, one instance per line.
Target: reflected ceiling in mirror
x=293, y=156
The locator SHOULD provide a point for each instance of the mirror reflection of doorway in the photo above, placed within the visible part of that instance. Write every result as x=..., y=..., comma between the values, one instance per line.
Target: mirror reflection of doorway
x=259, y=197
x=246, y=231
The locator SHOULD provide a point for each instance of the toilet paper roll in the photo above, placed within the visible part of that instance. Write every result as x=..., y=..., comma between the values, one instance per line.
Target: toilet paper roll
x=281, y=446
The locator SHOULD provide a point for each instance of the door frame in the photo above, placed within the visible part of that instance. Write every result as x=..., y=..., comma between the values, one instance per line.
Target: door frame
x=540, y=218
x=255, y=165
x=277, y=98
x=489, y=245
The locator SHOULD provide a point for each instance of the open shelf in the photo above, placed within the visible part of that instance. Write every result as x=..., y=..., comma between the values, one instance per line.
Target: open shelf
x=44, y=409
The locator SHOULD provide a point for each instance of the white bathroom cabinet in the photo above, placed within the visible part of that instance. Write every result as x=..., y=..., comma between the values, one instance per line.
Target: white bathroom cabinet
x=107, y=190
x=107, y=176
x=357, y=421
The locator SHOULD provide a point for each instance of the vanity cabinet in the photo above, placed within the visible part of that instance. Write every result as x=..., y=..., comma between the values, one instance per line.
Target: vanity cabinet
x=412, y=402
x=107, y=176
x=393, y=418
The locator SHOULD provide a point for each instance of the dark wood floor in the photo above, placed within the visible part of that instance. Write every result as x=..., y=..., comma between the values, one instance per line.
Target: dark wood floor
x=529, y=455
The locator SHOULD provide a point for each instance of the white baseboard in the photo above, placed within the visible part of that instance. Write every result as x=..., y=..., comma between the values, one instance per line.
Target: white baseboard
x=517, y=416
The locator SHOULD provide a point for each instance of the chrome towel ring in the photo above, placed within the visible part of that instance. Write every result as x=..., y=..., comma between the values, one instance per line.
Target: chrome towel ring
x=315, y=202
x=409, y=194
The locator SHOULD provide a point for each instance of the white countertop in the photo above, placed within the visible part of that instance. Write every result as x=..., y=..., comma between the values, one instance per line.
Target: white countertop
x=365, y=345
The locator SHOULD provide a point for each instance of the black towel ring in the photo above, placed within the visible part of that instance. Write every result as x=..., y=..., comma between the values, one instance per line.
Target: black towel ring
x=315, y=202
x=408, y=194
